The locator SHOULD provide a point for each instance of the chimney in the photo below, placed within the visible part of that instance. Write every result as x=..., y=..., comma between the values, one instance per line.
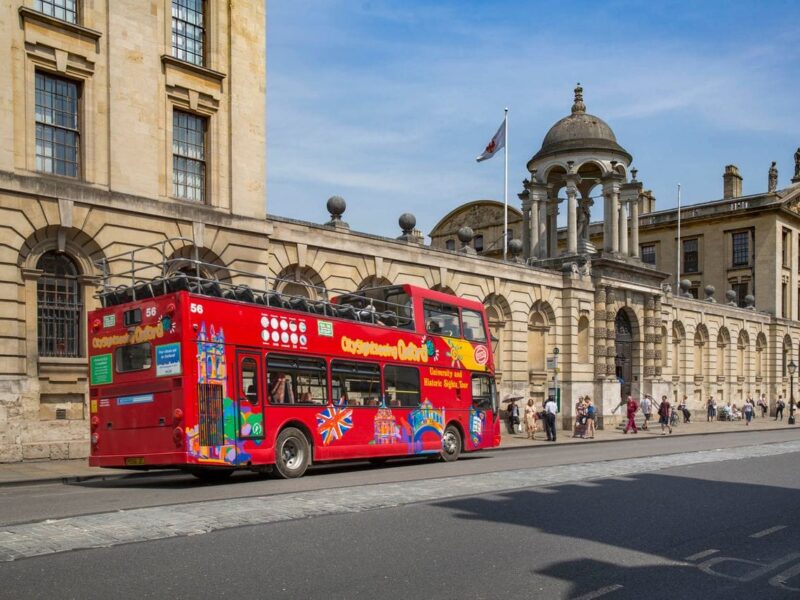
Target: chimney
x=731, y=182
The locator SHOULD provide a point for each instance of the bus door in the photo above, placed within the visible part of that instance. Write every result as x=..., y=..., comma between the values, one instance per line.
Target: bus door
x=249, y=395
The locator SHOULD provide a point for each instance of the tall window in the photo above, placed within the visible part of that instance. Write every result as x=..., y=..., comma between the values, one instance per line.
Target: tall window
x=648, y=253
x=59, y=306
x=188, y=156
x=57, y=134
x=188, y=31
x=690, y=256
x=741, y=248
x=478, y=243
x=66, y=10
x=786, y=239
x=450, y=244
x=785, y=300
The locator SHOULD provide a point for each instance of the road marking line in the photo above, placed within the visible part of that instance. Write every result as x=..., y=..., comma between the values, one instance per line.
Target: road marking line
x=702, y=554
x=601, y=592
x=761, y=534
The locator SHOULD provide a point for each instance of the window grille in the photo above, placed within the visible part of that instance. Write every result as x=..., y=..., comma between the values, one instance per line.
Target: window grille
x=188, y=156
x=188, y=31
x=66, y=10
x=211, y=417
x=57, y=133
x=59, y=306
x=648, y=254
x=690, y=257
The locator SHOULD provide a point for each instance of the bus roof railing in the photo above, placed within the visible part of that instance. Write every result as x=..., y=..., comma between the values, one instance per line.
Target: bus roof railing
x=134, y=275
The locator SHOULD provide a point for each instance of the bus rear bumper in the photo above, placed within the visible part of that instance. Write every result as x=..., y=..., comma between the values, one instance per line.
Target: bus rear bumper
x=139, y=461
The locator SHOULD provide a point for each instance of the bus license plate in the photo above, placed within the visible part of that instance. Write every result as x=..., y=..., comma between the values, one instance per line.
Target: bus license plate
x=133, y=461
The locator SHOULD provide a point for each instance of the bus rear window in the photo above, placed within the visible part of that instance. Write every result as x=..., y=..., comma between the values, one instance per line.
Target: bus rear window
x=136, y=357
x=441, y=319
x=473, y=325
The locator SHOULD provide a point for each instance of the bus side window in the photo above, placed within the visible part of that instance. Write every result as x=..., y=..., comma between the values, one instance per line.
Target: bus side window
x=445, y=317
x=299, y=380
x=355, y=383
x=401, y=385
x=473, y=325
x=483, y=392
x=249, y=374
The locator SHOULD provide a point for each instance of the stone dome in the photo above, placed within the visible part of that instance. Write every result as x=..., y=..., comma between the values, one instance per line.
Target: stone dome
x=579, y=131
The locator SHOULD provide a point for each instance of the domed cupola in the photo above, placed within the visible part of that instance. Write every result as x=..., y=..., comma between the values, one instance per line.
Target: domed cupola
x=579, y=132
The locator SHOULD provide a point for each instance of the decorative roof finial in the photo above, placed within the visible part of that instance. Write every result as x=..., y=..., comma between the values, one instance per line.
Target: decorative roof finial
x=578, y=106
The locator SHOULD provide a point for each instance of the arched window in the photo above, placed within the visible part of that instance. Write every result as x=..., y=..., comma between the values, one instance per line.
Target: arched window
x=761, y=346
x=537, y=341
x=59, y=306
x=700, y=339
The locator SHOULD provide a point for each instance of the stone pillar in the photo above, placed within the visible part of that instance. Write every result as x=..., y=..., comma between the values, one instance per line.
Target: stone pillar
x=634, y=249
x=614, y=218
x=611, y=226
x=649, y=337
x=623, y=229
x=543, y=233
x=600, y=359
x=552, y=227
x=533, y=233
x=572, y=218
x=611, y=332
x=658, y=340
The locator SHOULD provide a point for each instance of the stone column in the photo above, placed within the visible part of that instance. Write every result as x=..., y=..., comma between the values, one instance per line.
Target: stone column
x=614, y=218
x=572, y=218
x=658, y=340
x=543, y=233
x=649, y=337
x=533, y=250
x=611, y=226
x=623, y=229
x=611, y=332
x=600, y=359
x=634, y=249
x=552, y=227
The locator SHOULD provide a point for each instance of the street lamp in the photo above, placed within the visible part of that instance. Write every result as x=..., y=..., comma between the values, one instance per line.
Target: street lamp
x=792, y=368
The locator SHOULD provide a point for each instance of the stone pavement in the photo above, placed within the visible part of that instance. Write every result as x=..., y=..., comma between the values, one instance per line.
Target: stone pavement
x=71, y=470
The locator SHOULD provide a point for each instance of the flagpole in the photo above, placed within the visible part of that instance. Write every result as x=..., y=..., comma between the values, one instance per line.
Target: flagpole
x=505, y=190
x=678, y=243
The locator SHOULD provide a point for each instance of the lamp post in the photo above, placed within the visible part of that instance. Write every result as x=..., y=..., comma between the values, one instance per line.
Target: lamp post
x=792, y=368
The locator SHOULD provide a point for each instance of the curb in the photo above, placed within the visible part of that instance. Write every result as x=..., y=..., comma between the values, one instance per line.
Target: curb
x=72, y=479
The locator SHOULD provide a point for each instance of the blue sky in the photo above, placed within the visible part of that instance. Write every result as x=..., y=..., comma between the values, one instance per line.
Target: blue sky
x=387, y=103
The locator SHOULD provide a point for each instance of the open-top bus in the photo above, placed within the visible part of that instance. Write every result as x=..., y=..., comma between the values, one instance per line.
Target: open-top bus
x=187, y=371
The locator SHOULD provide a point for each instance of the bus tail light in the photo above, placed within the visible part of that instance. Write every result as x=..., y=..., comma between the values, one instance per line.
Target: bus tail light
x=177, y=415
x=96, y=324
x=95, y=438
x=177, y=436
x=95, y=421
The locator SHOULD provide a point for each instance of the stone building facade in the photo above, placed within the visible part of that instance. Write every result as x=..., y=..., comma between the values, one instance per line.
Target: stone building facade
x=125, y=124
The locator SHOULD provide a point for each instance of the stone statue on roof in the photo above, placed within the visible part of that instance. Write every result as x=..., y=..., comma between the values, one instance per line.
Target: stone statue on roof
x=772, y=181
x=797, y=164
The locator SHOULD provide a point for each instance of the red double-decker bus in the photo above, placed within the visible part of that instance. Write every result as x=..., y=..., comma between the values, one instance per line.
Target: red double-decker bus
x=190, y=372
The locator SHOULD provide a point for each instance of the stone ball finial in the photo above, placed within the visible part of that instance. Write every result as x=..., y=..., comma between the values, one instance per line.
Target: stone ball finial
x=730, y=296
x=515, y=247
x=465, y=235
x=407, y=222
x=634, y=172
x=336, y=206
x=709, y=290
x=685, y=285
x=750, y=301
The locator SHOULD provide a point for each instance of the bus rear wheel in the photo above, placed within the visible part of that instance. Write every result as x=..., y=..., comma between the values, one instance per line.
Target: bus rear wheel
x=292, y=453
x=451, y=444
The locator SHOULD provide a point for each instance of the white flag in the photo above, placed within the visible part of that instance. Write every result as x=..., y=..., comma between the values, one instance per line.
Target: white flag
x=498, y=142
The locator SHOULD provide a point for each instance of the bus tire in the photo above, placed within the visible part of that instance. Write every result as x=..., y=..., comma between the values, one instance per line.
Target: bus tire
x=451, y=444
x=292, y=453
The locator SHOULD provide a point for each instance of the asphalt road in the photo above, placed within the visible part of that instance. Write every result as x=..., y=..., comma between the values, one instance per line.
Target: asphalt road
x=716, y=529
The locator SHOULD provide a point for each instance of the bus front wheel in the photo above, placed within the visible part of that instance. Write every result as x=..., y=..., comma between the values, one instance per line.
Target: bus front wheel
x=451, y=444
x=292, y=453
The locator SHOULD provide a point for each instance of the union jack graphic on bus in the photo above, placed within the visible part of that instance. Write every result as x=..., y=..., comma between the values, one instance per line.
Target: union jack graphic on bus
x=332, y=423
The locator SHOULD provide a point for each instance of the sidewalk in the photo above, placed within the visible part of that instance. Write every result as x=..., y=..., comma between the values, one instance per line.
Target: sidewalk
x=71, y=470
x=698, y=426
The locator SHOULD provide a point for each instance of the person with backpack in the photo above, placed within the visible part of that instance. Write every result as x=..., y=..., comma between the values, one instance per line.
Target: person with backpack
x=779, y=408
x=591, y=412
x=748, y=411
x=631, y=407
x=664, y=414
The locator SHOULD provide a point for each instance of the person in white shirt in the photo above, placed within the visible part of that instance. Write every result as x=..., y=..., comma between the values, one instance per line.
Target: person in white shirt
x=647, y=409
x=550, y=409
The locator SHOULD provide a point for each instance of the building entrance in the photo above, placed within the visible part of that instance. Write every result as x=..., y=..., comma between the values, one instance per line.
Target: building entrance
x=623, y=359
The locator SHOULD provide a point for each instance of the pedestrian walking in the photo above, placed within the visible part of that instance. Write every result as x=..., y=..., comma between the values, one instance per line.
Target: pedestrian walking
x=631, y=407
x=550, y=410
x=687, y=415
x=710, y=409
x=530, y=419
x=748, y=411
x=664, y=414
x=779, y=408
x=647, y=410
x=513, y=416
x=591, y=412
x=580, y=418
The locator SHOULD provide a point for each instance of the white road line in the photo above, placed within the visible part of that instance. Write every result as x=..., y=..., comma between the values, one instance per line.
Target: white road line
x=761, y=534
x=601, y=592
x=700, y=555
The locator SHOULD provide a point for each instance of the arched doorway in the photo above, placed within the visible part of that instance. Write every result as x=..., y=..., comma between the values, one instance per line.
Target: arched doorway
x=623, y=359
